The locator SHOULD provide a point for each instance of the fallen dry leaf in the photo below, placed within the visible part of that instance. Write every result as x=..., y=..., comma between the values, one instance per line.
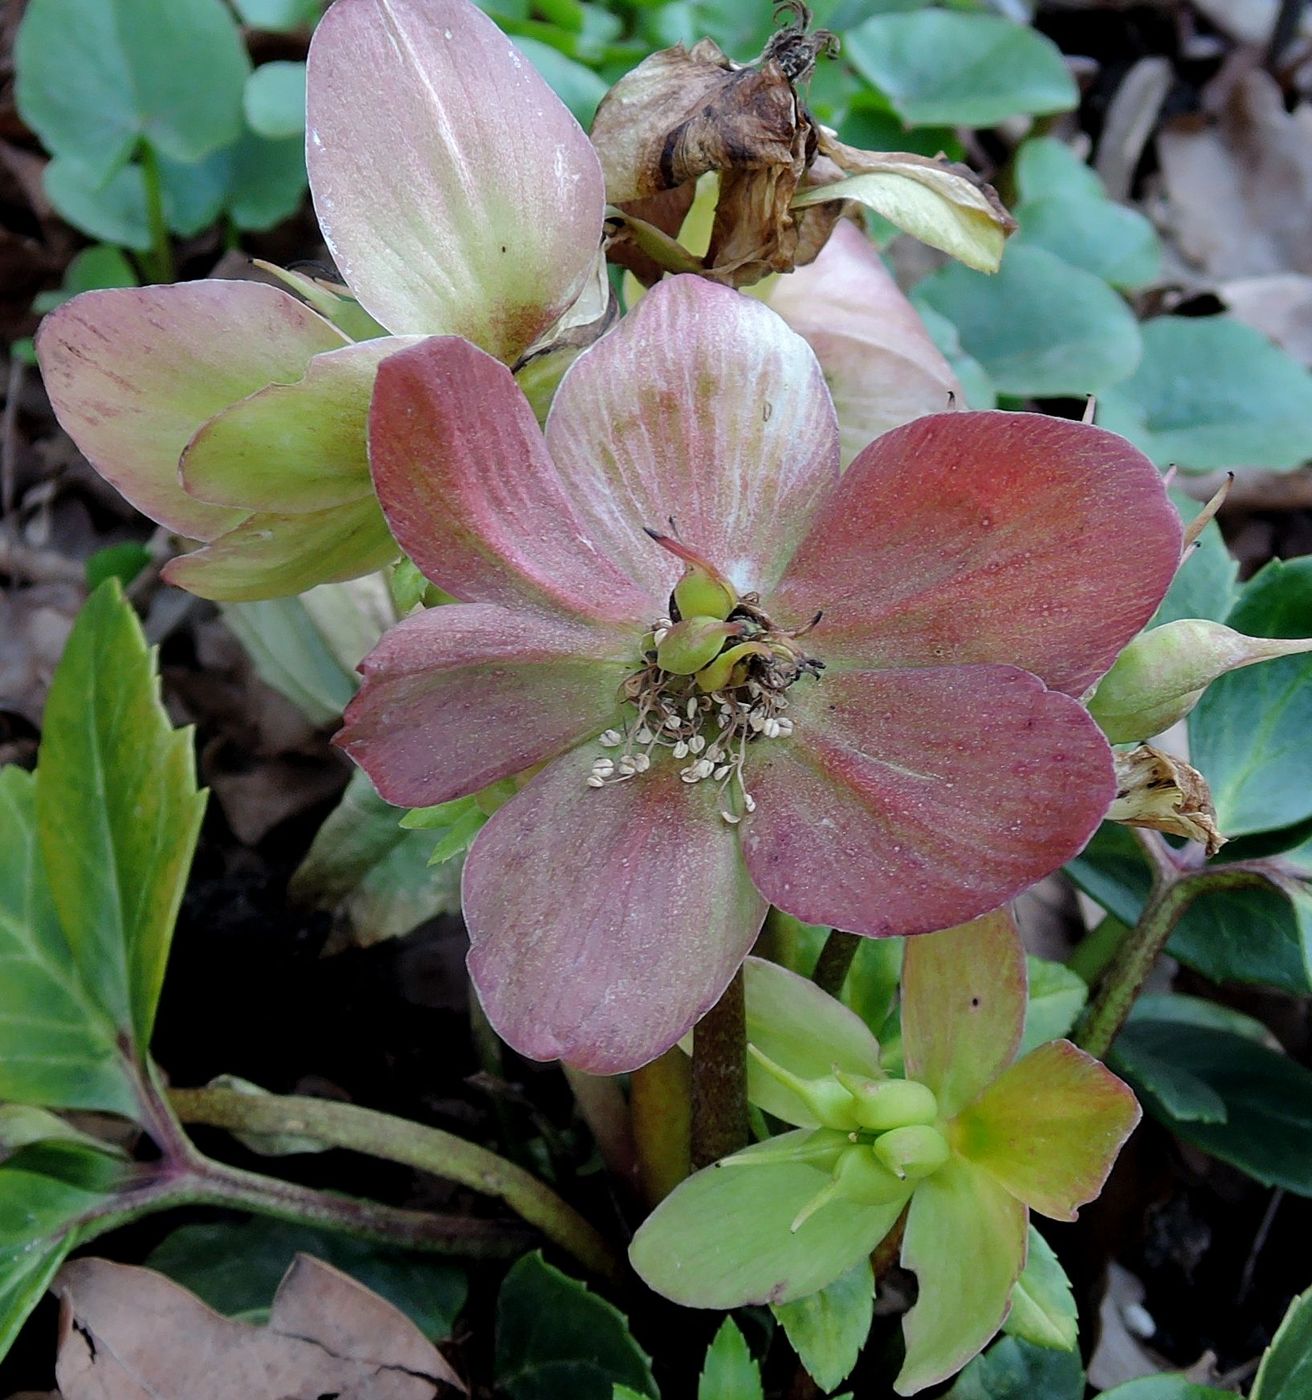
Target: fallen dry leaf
x=1280, y=306
x=129, y=1333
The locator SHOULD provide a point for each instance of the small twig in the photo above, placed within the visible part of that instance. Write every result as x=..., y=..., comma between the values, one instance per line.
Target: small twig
x=719, y=1078
x=835, y=961
x=1259, y=1243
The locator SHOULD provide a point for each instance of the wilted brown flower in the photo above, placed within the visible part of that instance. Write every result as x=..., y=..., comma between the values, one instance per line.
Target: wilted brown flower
x=1166, y=794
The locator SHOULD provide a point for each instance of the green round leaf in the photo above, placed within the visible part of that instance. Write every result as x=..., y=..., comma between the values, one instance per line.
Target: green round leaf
x=1113, y=242
x=274, y=100
x=1017, y=1370
x=113, y=211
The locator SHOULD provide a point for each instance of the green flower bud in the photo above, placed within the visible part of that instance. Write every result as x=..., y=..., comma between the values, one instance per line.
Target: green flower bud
x=826, y=1098
x=1162, y=674
x=882, y=1104
x=863, y=1178
x=720, y=672
x=703, y=591
x=690, y=644
x=913, y=1152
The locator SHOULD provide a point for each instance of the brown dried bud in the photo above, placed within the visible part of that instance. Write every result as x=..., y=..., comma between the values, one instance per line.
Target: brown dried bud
x=1158, y=791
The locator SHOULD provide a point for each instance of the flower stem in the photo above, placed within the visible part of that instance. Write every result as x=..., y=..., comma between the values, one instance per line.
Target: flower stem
x=719, y=1078
x=660, y=1105
x=412, y=1144
x=835, y=961
x=158, y=262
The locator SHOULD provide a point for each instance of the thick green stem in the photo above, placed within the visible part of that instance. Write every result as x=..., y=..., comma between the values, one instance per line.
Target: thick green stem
x=159, y=261
x=398, y=1140
x=835, y=961
x=719, y=1078
x=660, y=1107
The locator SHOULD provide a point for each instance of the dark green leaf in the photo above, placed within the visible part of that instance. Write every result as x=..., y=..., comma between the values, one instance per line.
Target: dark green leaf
x=730, y=1372
x=1165, y=1388
x=1042, y=1306
x=1286, y=1369
x=236, y=1269
x=1038, y=326
x=118, y=811
x=121, y=561
x=828, y=1329
x=1210, y=393
x=1015, y=1370
x=558, y=1341
x=943, y=69
x=97, y=76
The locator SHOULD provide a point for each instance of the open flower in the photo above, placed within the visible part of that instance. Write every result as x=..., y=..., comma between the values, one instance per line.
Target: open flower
x=868, y=743
x=457, y=195
x=967, y=1144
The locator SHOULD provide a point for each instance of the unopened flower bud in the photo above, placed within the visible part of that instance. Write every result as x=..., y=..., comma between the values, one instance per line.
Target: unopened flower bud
x=703, y=591
x=882, y=1104
x=1162, y=674
x=831, y=1104
x=690, y=644
x=912, y=1152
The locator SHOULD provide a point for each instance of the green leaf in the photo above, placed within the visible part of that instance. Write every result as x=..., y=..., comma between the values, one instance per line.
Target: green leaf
x=268, y=181
x=828, y=1329
x=274, y=100
x=1249, y=731
x=1181, y=1096
x=971, y=375
x=1046, y=167
x=1195, y=1011
x=58, y=1046
x=95, y=77
x=1211, y=392
x=1038, y=326
x=1165, y=1388
x=118, y=811
x=121, y=561
x=1286, y=1369
x=113, y=210
x=579, y=88
x=1206, y=584
x=557, y=1341
x=1057, y=996
x=236, y=1268
x=99, y=266
x=1267, y=1098
x=278, y=16
x=371, y=873
x=1012, y=1369
x=730, y=1372
x=938, y=68
x=1043, y=1308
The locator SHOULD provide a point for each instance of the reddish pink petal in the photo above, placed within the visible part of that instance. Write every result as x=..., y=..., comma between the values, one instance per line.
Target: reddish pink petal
x=908, y=801
x=469, y=490
x=988, y=537
x=702, y=406
x=604, y=921
x=454, y=189
x=1050, y=1128
x=458, y=697
x=963, y=1007
x=880, y=364
x=133, y=373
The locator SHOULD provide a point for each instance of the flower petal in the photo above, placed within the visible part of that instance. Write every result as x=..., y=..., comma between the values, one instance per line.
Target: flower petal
x=908, y=801
x=963, y=1007
x=702, y=406
x=1050, y=1127
x=293, y=448
x=460, y=696
x=469, y=490
x=721, y=1238
x=273, y=556
x=1006, y=537
x=881, y=366
x=965, y=1242
x=604, y=922
x=132, y=373
x=454, y=189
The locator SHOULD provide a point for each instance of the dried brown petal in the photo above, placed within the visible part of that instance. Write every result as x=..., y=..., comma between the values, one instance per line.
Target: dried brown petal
x=1158, y=791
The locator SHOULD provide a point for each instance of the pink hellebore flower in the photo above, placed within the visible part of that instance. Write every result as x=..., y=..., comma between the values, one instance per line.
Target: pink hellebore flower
x=457, y=195
x=972, y=573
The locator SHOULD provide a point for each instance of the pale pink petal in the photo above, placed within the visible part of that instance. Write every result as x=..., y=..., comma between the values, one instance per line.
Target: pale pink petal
x=460, y=696
x=293, y=448
x=469, y=490
x=604, y=921
x=1007, y=537
x=133, y=373
x=964, y=993
x=454, y=189
x=881, y=366
x=701, y=406
x=273, y=556
x=908, y=801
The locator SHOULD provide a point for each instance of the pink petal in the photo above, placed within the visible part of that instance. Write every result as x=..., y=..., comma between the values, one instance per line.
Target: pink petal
x=604, y=921
x=963, y=1007
x=988, y=537
x=293, y=448
x=273, y=556
x=455, y=191
x=1049, y=1129
x=702, y=406
x=908, y=801
x=460, y=696
x=469, y=490
x=881, y=366
x=133, y=373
